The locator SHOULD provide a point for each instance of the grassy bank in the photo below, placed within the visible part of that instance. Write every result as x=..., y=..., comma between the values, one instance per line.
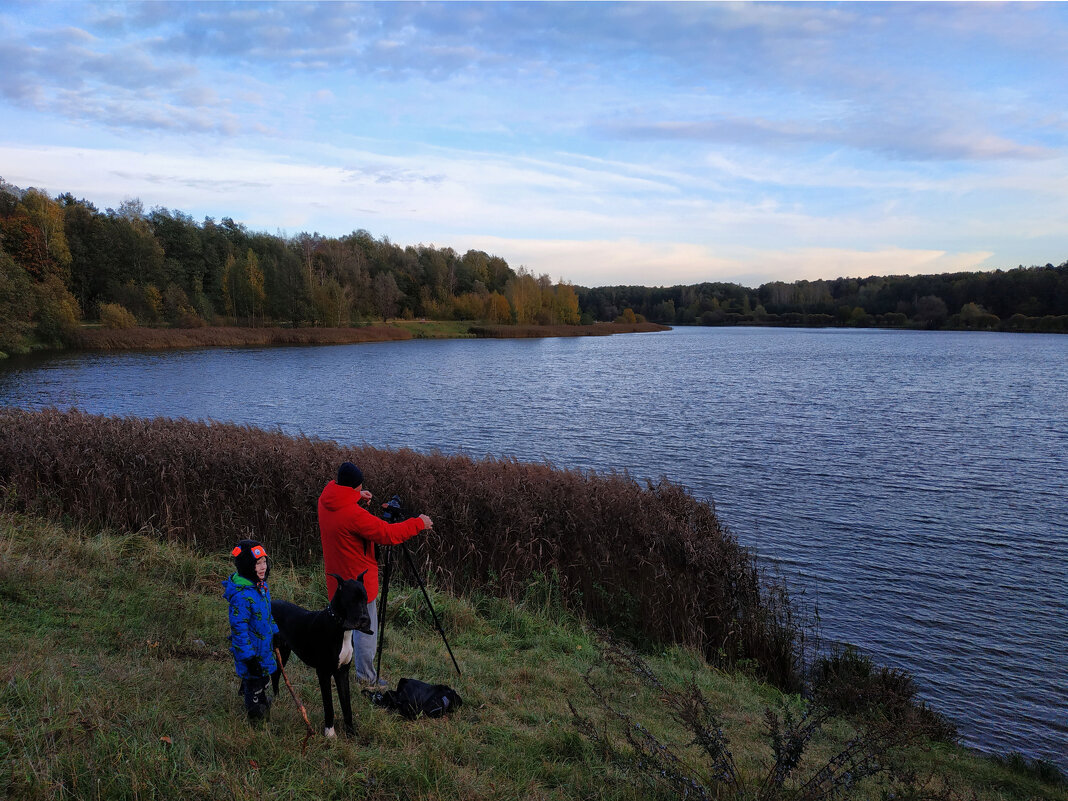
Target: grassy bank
x=140, y=338
x=115, y=683
x=648, y=560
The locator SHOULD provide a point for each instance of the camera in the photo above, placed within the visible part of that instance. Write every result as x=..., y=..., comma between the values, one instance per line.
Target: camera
x=391, y=511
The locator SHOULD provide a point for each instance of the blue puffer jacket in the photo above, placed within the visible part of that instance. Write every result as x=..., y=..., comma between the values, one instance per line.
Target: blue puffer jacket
x=251, y=626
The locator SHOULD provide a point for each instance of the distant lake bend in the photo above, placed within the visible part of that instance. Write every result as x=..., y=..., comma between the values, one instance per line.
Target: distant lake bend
x=913, y=484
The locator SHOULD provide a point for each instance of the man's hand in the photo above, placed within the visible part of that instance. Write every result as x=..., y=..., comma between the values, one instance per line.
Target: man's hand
x=427, y=522
x=365, y=496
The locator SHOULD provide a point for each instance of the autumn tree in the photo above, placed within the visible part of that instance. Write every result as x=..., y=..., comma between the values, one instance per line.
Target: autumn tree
x=184, y=263
x=333, y=303
x=56, y=313
x=16, y=315
x=33, y=235
x=524, y=296
x=177, y=310
x=230, y=286
x=931, y=311
x=566, y=304
x=46, y=215
x=137, y=256
x=473, y=268
x=500, y=310
x=386, y=293
x=472, y=306
x=92, y=261
x=254, y=282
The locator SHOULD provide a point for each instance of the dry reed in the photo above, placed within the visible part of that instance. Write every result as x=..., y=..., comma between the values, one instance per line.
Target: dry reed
x=226, y=336
x=649, y=561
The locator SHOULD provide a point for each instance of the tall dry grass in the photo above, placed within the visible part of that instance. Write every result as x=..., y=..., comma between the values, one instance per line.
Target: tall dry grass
x=648, y=561
x=226, y=336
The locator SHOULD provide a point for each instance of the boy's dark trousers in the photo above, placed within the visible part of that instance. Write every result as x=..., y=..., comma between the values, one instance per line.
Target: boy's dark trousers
x=257, y=699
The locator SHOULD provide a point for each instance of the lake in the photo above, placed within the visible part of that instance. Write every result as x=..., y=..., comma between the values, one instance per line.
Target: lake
x=913, y=486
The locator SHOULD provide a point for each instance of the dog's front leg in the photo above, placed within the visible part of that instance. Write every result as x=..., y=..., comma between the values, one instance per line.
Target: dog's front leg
x=341, y=679
x=328, y=702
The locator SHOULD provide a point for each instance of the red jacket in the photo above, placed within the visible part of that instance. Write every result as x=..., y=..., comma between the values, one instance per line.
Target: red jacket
x=349, y=533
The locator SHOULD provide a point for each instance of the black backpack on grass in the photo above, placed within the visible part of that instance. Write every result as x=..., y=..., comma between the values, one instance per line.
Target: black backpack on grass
x=413, y=698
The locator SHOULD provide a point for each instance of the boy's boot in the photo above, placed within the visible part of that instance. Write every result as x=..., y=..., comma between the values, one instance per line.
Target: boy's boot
x=257, y=700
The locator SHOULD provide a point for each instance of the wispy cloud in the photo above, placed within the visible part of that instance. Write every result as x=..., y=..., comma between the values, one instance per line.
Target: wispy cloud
x=913, y=139
x=708, y=136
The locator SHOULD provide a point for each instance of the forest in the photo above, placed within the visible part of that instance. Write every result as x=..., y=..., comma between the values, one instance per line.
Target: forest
x=1020, y=299
x=65, y=263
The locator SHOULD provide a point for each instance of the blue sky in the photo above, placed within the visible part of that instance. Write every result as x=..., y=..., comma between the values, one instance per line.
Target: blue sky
x=599, y=143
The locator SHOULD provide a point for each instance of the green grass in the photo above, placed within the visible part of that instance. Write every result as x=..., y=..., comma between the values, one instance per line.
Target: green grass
x=435, y=329
x=110, y=642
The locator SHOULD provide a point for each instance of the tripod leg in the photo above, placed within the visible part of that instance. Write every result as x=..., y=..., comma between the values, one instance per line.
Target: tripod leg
x=381, y=630
x=441, y=631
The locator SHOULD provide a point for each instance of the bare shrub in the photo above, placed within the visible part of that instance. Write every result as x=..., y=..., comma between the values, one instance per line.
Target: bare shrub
x=649, y=561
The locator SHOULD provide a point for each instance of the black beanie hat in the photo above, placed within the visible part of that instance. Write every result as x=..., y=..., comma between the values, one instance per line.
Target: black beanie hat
x=245, y=554
x=349, y=475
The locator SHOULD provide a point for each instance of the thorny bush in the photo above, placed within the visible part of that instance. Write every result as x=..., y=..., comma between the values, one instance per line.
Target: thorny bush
x=849, y=683
x=694, y=760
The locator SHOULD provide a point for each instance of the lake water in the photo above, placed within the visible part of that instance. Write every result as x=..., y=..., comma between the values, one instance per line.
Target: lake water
x=913, y=484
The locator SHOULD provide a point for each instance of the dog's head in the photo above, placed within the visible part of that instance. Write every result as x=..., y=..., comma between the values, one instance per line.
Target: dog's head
x=350, y=603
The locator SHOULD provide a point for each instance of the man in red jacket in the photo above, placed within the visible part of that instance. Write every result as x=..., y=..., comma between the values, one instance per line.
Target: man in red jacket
x=349, y=534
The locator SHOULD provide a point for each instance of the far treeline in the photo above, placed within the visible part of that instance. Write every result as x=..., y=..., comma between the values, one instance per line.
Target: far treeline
x=1020, y=299
x=63, y=261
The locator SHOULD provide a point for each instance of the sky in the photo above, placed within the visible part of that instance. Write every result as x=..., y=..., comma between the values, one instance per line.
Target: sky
x=598, y=143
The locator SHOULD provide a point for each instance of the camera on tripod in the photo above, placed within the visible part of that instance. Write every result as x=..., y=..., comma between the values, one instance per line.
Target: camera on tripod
x=391, y=511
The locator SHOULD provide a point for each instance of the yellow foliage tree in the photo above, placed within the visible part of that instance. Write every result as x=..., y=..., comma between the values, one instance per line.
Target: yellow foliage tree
x=566, y=305
x=500, y=310
x=47, y=216
x=524, y=295
x=254, y=279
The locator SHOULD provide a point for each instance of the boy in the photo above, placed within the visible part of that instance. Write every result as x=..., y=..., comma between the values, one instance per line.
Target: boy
x=251, y=626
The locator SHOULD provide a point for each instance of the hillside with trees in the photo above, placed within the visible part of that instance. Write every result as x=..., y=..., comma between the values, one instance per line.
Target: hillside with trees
x=64, y=262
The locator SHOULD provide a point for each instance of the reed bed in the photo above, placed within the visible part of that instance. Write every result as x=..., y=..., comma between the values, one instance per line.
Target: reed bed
x=227, y=336
x=650, y=562
x=534, y=331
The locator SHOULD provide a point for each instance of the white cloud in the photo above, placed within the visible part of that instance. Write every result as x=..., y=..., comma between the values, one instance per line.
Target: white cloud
x=632, y=262
x=588, y=222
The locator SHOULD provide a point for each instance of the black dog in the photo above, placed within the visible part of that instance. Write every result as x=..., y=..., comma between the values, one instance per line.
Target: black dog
x=323, y=640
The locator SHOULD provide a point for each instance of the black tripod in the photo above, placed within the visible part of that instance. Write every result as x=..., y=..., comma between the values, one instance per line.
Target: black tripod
x=390, y=515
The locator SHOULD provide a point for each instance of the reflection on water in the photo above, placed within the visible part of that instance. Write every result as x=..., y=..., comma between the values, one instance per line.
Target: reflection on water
x=912, y=483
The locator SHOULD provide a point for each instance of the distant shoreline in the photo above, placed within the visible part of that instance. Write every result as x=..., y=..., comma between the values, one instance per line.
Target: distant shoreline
x=143, y=338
